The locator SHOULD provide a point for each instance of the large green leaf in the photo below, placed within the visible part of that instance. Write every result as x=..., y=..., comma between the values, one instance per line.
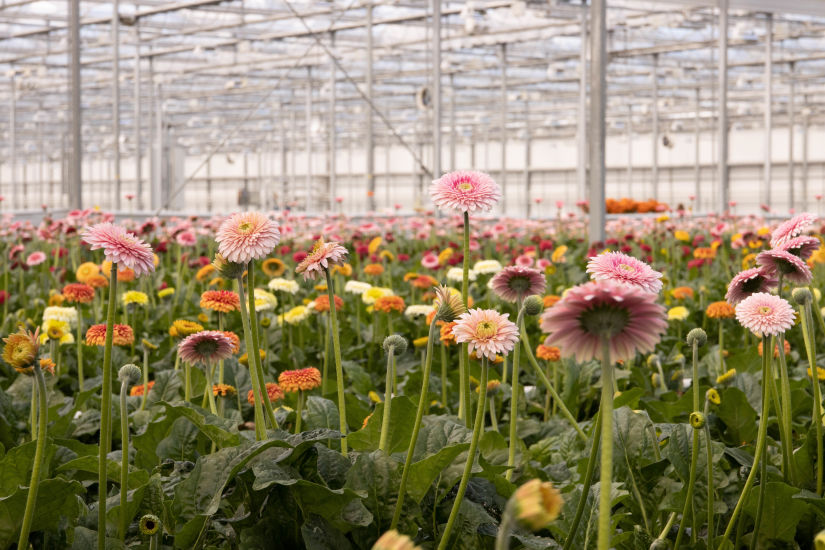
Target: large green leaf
x=402, y=418
x=58, y=503
x=321, y=413
x=738, y=416
x=781, y=512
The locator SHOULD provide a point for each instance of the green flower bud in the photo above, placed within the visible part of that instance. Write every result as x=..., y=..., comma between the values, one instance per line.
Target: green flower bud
x=802, y=296
x=697, y=420
x=129, y=373
x=659, y=544
x=819, y=541
x=697, y=336
x=230, y=270
x=533, y=305
x=266, y=322
x=395, y=342
x=149, y=524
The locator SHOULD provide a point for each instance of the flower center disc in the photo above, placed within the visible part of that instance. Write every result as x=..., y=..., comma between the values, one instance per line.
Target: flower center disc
x=486, y=329
x=245, y=227
x=465, y=186
x=625, y=267
x=765, y=310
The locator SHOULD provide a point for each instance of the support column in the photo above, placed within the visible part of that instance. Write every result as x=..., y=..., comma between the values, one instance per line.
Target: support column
x=309, y=204
x=805, y=125
x=453, y=136
x=503, y=125
x=581, y=132
x=697, y=166
x=528, y=180
x=598, y=110
x=654, y=173
x=791, y=127
x=75, y=87
x=15, y=203
x=209, y=183
x=724, y=181
x=629, y=150
x=767, y=152
x=370, y=168
x=436, y=53
x=138, y=145
x=116, y=99
x=284, y=158
x=332, y=189
x=153, y=137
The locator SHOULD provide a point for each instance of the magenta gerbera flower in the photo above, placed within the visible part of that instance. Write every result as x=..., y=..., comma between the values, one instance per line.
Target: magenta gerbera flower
x=804, y=246
x=247, y=236
x=791, y=228
x=515, y=283
x=627, y=316
x=35, y=258
x=205, y=347
x=764, y=313
x=121, y=247
x=621, y=268
x=487, y=331
x=465, y=191
x=322, y=256
x=778, y=261
x=750, y=281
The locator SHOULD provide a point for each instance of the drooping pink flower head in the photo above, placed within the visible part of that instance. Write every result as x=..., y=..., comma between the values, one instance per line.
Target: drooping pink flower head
x=515, y=283
x=621, y=268
x=465, y=191
x=803, y=246
x=777, y=262
x=322, y=256
x=36, y=258
x=627, y=316
x=120, y=246
x=487, y=331
x=764, y=313
x=205, y=347
x=789, y=229
x=247, y=236
x=750, y=281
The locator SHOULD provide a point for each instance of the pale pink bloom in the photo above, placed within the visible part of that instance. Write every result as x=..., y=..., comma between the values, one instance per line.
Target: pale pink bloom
x=487, y=331
x=186, y=238
x=777, y=262
x=789, y=229
x=36, y=258
x=750, y=281
x=619, y=267
x=465, y=191
x=764, y=313
x=322, y=256
x=120, y=247
x=205, y=347
x=628, y=317
x=803, y=246
x=559, y=204
x=523, y=260
x=430, y=261
x=247, y=236
x=15, y=250
x=543, y=263
x=516, y=283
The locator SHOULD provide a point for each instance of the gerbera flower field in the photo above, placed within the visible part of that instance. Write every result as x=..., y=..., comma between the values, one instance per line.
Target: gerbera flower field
x=449, y=379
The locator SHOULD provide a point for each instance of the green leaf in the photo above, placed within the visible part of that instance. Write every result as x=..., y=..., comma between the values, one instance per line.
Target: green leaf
x=137, y=477
x=376, y=477
x=86, y=538
x=221, y=431
x=167, y=388
x=318, y=534
x=781, y=512
x=321, y=413
x=424, y=472
x=402, y=418
x=738, y=416
x=58, y=502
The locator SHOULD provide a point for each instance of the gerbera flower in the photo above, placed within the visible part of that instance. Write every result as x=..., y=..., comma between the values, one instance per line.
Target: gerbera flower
x=537, y=504
x=387, y=304
x=374, y=269
x=322, y=303
x=791, y=228
x=283, y=285
x=786, y=347
x=35, y=258
x=465, y=191
x=205, y=272
x=86, y=270
x=63, y=314
x=373, y=293
x=205, y=347
x=21, y=350
x=296, y=315
x=621, y=268
x=392, y=539
x=224, y=390
x=97, y=281
x=273, y=267
x=322, y=256
x=515, y=283
x=792, y=267
x=181, y=328
x=678, y=313
x=223, y=301
x=804, y=246
x=123, y=335
x=764, y=313
x=300, y=379
x=138, y=389
x=134, y=297
x=748, y=282
x=548, y=353
x=120, y=247
x=78, y=293
x=448, y=304
x=166, y=292
x=720, y=310
x=244, y=359
x=418, y=310
x=423, y=282
x=236, y=341
x=273, y=391
x=627, y=316
x=682, y=292
x=487, y=267
x=487, y=331
x=247, y=236
x=356, y=287
x=550, y=300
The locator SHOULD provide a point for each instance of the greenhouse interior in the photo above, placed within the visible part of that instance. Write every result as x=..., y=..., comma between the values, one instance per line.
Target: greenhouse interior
x=412, y=274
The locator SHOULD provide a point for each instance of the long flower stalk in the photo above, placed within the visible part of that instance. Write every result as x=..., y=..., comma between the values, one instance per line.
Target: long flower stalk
x=606, y=466
x=390, y=382
x=810, y=350
x=260, y=428
x=34, y=483
x=514, y=397
x=128, y=374
x=255, y=359
x=339, y=369
x=464, y=362
x=586, y=482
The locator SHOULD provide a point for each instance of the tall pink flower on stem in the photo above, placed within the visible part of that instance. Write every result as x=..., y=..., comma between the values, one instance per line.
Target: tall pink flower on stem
x=784, y=264
x=465, y=191
x=621, y=268
x=749, y=281
x=803, y=246
x=487, y=331
x=789, y=229
x=515, y=283
x=206, y=348
x=35, y=258
x=322, y=256
x=247, y=236
x=764, y=313
x=120, y=247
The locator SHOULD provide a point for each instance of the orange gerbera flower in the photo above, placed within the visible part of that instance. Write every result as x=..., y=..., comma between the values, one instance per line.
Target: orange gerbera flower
x=123, y=335
x=86, y=270
x=204, y=273
x=223, y=301
x=786, y=347
x=424, y=282
x=78, y=293
x=387, y=304
x=273, y=390
x=720, y=310
x=300, y=379
x=236, y=341
x=682, y=292
x=374, y=269
x=705, y=253
x=97, y=281
x=224, y=390
x=447, y=336
x=322, y=303
x=548, y=353
x=138, y=390
x=550, y=300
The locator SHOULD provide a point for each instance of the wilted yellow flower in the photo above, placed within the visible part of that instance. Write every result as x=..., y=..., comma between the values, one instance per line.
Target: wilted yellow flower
x=537, y=504
x=713, y=396
x=726, y=377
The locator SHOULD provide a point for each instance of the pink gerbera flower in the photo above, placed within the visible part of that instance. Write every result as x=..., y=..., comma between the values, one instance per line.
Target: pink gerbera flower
x=186, y=238
x=804, y=246
x=515, y=283
x=322, y=256
x=487, y=331
x=120, y=246
x=621, y=268
x=205, y=347
x=778, y=262
x=247, y=236
x=791, y=228
x=36, y=258
x=764, y=313
x=430, y=261
x=750, y=281
x=627, y=316
x=465, y=191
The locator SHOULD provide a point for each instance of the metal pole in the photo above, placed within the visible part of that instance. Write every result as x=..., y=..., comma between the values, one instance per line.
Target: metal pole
x=284, y=158
x=138, y=146
x=332, y=190
x=309, y=204
x=598, y=108
x=805, y=124
x=13, y=143
x=453, y=136
x=436, y=52
x=697, y=167
x=370, y=168
x=528, y=181
x=41, y=176
x=791, y=125
x=116, y=98
x=630, y=150
x=724, y=181
x=293, y=121
x=654, y=173
x=581, y=132
x=503, y=125
x=159, y=179
x=76, y=174
x=152, y=138
x=209, y=183
x=768, y=150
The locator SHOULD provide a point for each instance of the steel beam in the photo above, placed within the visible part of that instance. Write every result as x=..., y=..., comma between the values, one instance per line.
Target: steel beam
x=654, y=173
x=697, y=148
x=137, y=114
x=805, y=125
x=581, y=161
x=503, y=126
x=75, y=88
x=791, y=128
x=331, y=153
x=724, y=176
x=116, y=99
x=767, y=152
x=369, y=172
x=598, y=110
x=436, y=54
x=309, y=200
x=13, y=142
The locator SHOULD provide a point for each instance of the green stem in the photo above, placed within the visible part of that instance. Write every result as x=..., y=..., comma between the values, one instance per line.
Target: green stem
x=493, y=419
x=124, y=460
x=34, y=483
x=514, y=397
x=187, y=377
x=606, y=468
x=586, y=482
x=299, y=411
x=106, y=412
x=710, y=480
x=462, y=383
x=444, y=377
x=339, y=370
x=79, y=344
x=464, y=363
x=145, y=378
x=385, y=421
x=260, y=429
x=760, y=503
x=325, y=374
x=787, y=407
x=816, y=418
x=419, y=414
x=505, y=528
x=471, y=455
x=253, y=319
x=694, y=456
